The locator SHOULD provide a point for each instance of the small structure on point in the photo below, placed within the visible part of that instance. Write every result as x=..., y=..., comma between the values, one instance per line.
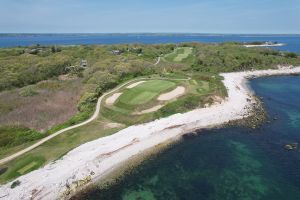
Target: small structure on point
x=83, y=63
x=116, y=52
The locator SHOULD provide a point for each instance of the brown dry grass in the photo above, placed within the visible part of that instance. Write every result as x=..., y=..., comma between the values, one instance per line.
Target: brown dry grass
x=54, y=102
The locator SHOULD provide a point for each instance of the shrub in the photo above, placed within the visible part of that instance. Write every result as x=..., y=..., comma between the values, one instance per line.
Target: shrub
x=15, y=184
x=15, y=135
x=28, y=91
x=291, y=55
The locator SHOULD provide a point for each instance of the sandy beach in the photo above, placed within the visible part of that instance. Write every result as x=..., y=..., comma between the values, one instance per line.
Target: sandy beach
x=94, y=160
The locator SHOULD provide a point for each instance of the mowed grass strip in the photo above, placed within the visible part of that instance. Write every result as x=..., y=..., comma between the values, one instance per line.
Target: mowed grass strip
x=186, y=52
x=145, y=92
x=28, y=167
x=22, y=166
x=179, y=54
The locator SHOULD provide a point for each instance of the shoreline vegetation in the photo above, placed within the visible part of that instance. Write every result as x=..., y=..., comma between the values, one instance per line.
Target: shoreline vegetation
x=31, y=75
x=95, y=160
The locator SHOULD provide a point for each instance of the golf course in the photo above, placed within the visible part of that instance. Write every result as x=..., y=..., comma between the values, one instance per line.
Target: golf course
x=146, y=100
x=138, y=101
x=119, y=91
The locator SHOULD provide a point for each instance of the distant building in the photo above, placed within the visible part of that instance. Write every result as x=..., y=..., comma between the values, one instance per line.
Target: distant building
x=83, y=63
x=116, y=52
x=271, y=43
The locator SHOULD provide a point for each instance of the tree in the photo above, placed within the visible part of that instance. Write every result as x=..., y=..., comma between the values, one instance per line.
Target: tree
x=53, y=49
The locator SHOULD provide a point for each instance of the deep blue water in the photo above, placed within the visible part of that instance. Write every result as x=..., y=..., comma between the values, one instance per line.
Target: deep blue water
x=230, y=163
x=11, y=40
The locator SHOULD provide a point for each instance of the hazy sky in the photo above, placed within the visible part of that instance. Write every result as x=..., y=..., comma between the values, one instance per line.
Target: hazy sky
x=200, y=16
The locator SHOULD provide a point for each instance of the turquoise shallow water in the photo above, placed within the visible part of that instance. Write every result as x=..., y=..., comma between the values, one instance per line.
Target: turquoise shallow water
x=230, y=163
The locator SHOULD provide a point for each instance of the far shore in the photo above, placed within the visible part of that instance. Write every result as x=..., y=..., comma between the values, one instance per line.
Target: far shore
x=264, y=45
x=95, y=160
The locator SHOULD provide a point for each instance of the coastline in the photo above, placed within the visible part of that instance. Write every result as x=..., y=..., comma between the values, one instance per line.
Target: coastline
x=95, y=160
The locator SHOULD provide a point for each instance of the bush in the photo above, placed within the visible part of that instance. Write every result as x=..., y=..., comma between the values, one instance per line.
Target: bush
x=15, y=135
x=86, y=100
x=229, y=57
x=28, y=91
x=15, y=184
x=291, y=55
x=26, y=69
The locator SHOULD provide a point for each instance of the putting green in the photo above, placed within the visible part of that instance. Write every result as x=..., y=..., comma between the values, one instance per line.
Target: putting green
x=145, y=92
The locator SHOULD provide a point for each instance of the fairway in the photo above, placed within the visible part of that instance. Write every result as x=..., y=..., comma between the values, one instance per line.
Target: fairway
x=27, y=167
x=145, y=92
x=179, y=54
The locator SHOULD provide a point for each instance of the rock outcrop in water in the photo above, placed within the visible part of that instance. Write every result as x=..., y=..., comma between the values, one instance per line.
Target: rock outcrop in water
x=292, y=146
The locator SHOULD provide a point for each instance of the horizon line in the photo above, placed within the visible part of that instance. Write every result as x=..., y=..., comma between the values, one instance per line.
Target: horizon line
x=127, y=33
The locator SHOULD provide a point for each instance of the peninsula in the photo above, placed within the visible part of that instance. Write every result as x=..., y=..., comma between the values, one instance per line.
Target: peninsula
x=130, y=99
x=95, y=160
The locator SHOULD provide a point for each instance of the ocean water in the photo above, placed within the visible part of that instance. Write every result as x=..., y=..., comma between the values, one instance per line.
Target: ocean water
x=230, y=163
x=12, y=40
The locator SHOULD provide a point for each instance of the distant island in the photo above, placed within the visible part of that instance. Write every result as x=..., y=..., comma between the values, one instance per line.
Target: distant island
x=263, y=44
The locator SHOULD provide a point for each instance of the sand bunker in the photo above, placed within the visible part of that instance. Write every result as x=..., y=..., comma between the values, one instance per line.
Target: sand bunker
x=135, y=84
x=112, y=99
x=113, y=125
x=150, y=110
x=173, y=94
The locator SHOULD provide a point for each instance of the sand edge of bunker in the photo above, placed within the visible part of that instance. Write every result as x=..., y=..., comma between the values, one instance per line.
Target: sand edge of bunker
x=133, y=85
x=177, y=92
x=113, y=98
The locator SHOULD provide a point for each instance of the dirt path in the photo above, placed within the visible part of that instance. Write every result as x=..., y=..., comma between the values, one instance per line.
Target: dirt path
x=158, y=61
x=95, y=115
